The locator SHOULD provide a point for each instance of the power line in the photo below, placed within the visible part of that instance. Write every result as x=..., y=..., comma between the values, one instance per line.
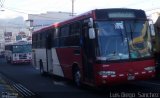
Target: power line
x=132, y=4
x=146, y=10
x=142, y=2
x=20, y=9
x=152, y=9
x=17, y=10
x=32, y=14
x=2, y=3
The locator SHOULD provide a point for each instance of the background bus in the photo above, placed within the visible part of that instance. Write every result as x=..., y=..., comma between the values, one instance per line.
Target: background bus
x=18, y=52
x=100, y=47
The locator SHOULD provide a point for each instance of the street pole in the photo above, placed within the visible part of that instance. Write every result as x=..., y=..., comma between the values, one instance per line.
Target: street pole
x=2, y=5
x=72, y=7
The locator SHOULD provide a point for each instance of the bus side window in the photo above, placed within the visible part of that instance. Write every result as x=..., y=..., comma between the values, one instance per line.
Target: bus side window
x=35, y=42
x=43, y=39
x=74, y=36
x=49, y=39
x=52, y=37
x=56, y=37
x=64, y=33
x=40, y=39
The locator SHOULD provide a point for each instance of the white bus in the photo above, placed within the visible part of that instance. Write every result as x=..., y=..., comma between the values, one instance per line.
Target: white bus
x=18, y=52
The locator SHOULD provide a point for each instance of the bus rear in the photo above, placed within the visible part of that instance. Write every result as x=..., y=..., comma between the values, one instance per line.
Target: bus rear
x=123, y=49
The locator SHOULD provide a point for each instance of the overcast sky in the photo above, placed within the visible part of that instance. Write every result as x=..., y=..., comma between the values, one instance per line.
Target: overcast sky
x=14, y=8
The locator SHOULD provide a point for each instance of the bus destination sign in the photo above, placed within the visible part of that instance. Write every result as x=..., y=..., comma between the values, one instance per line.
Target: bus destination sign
x=121, y=15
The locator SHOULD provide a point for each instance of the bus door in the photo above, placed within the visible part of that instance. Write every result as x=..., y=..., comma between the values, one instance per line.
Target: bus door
x=87, y=55
x=49, y=53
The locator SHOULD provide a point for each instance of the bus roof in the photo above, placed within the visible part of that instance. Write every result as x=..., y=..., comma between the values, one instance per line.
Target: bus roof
x=43, y=29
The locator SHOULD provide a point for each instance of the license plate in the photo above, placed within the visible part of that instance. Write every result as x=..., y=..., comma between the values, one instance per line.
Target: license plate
x=131, y=77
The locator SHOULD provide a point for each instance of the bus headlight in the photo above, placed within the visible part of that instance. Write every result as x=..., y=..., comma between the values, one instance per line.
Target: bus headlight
x=107, y=73
x=150, y=68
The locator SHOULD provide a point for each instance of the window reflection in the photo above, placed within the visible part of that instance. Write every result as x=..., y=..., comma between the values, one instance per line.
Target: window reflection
x=22, y=48
x=123, y=39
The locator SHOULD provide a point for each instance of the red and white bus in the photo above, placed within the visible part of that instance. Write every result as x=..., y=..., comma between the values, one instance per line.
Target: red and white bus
x=100, y=47
x=18, y=52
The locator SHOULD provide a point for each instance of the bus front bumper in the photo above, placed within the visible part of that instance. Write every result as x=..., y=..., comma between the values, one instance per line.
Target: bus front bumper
x=123, y=78
x=21, y=61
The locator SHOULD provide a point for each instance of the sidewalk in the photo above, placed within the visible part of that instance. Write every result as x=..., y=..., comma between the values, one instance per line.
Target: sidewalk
x=7, y=90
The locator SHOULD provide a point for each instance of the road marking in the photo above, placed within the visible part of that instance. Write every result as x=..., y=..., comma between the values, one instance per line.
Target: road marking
x=59, y=83
x=22, y=90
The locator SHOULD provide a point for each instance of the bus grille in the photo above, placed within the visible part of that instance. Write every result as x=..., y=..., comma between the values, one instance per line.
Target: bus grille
x=22, y=56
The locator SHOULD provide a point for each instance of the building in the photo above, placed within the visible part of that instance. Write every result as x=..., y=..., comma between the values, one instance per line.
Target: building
x=14, y=27
x=9, y=29
x=46, y=19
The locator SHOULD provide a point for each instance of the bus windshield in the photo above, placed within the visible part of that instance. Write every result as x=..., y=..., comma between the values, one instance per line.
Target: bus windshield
x=22, y=48
x=123, y=39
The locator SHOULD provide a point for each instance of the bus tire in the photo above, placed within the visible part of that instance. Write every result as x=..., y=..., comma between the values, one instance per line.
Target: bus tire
x=77, y=76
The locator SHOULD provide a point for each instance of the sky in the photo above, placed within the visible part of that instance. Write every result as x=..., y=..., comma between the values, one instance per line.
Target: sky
x=15, y=8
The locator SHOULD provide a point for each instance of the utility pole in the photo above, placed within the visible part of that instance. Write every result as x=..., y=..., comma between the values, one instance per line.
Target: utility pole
x=72, y=7
x=1, y=5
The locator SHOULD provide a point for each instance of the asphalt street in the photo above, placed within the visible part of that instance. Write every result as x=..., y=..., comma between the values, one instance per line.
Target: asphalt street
x=52, y=87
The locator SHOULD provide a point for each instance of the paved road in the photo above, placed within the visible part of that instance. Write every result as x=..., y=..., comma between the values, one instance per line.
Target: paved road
x=49, y=87
x=43, y=86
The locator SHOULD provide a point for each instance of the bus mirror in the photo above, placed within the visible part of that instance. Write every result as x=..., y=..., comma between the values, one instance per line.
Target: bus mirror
x=151, y=25
x=152, y=30
x=91, y=33
x=90, y=23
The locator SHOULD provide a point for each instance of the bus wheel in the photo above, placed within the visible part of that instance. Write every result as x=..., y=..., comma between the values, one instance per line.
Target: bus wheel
x=77, y=77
